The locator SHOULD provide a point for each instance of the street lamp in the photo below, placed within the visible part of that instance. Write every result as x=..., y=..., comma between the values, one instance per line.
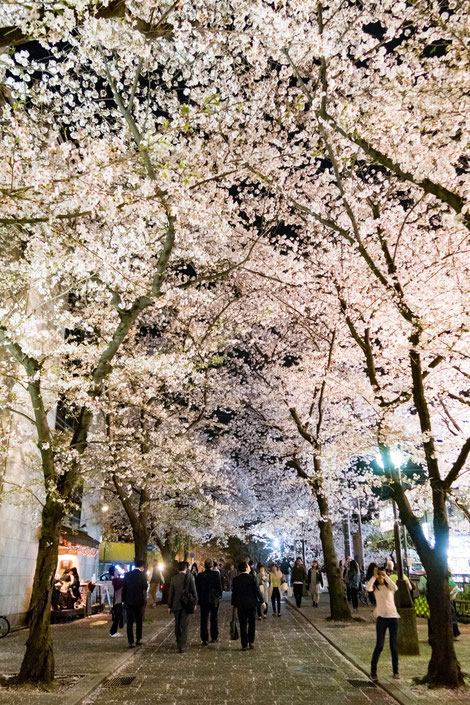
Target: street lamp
x=301, y=514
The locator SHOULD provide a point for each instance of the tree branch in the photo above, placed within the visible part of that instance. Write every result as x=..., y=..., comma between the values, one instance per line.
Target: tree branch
x=458, y=465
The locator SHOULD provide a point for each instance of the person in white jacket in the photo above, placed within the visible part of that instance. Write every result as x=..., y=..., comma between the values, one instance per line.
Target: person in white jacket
x=387, y=618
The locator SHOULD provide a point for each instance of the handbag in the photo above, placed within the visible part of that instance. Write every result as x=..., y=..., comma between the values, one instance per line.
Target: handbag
x=234, y=635
x=284, y=586
x=421, y=606
x=188, y=599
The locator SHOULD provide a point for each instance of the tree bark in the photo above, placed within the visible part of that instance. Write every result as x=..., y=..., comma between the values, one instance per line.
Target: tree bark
x=168, y=552
x=141, y=538
x=339, y=608
x=443, y=668
x=38, y=661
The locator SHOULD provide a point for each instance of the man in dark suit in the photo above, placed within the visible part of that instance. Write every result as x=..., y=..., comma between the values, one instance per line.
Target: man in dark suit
x=134, y=596
x=209, y=593
x=179, y=582
x=246, y=595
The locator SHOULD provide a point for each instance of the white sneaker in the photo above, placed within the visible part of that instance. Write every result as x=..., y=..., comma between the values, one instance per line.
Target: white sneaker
x=114, y=635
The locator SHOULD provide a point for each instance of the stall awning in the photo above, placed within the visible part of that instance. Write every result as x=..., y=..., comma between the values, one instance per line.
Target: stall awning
x=76, y=537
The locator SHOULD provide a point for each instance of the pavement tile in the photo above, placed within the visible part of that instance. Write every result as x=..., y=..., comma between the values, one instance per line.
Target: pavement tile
x=291, y=663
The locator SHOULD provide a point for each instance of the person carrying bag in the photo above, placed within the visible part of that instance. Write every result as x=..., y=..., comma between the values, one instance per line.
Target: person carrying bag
x=182, y=600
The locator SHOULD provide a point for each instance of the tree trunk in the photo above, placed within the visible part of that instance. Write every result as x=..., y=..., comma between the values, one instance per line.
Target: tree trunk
x=339, y=608
x=38, y=661
x=141, y=539
x=443, y=668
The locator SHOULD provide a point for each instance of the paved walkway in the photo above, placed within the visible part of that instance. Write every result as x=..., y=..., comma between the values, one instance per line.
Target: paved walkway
x=356, y=639
x=84, y=655
x=291, y=663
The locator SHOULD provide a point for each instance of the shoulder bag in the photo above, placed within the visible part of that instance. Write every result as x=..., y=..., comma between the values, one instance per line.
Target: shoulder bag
x=188, y=599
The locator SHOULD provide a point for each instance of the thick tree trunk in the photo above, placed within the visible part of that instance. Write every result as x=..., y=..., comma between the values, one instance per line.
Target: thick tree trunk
x=141, y=539
x=339, y=608
x=38, y=661
x=443, y=668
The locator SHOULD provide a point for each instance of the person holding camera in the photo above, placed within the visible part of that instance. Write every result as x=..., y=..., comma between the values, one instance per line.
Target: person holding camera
x=387, y=618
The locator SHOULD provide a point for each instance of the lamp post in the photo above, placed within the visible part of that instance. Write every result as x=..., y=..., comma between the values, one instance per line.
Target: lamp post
x=301, y=515
x=359, y=531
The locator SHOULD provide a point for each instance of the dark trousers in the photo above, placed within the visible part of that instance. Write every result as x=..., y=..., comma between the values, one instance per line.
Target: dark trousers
x=298, y=590
x=181, y=627
x=247, y=621
x=118, y=620
x=135, y=614
x=209, y=611
x=276, y=600
x=382, y=624
x=348, y=593
x=354, y=598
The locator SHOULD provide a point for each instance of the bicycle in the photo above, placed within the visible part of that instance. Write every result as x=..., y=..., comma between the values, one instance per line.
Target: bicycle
x=4, y=627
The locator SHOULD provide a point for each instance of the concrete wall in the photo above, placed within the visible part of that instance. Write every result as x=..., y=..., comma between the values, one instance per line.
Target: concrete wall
x=20, y=509
x=21, y=493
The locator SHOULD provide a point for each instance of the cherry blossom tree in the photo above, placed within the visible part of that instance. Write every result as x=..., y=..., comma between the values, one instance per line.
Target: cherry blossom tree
x=182, y=133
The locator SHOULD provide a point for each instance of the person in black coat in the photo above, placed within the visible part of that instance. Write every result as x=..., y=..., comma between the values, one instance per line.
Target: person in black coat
x=209, y=593
x=246, y=596
x=181, y=582
x=134, y=597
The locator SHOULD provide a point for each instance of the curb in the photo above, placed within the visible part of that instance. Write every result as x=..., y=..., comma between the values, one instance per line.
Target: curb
x=77, y=694
x=400, y=697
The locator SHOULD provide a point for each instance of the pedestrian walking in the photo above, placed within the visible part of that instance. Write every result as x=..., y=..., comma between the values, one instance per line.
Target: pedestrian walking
x=262, y=578
x=387, y=618
x=209, y=593
x=315, y=583
x=232, y=573
x=276, y=579
x=354, y=583
x=345, y=578
x=155, y=578
x=117, y=611
x=194, y=570
x=298, y=580
x=285, y=568
x=182, y=583
x=134, y=597
x=246, y=596
x=453, y=592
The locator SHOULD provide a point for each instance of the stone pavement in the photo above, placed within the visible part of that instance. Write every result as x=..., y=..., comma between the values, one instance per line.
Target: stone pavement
x=84, y=655
x=356, y=640
x=292, y=664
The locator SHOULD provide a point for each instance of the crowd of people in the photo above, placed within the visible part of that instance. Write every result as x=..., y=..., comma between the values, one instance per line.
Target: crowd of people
x=254, y=588
x=186, y=589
